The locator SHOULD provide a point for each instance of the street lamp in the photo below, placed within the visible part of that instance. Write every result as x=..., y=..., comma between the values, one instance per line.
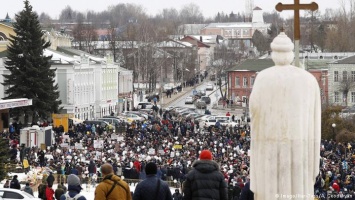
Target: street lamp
x=182, y=77
x=333, y=126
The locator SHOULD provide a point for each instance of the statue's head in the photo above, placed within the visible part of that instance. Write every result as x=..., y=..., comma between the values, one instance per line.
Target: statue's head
x=282, y=50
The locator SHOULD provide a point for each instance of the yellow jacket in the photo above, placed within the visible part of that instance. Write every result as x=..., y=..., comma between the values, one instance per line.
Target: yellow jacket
x=25, y=163
x=120, y=192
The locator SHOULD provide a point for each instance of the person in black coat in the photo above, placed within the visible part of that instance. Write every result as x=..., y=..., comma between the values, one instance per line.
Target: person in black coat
x=50, y=179
x=246, y=193
x=205, y=181
x=152, y=188
x=15, y=184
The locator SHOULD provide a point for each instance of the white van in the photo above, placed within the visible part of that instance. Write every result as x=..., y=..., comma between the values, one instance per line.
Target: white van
x=224, y=120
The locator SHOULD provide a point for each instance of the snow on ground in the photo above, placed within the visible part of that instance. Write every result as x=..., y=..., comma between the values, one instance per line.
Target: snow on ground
x=88, y=191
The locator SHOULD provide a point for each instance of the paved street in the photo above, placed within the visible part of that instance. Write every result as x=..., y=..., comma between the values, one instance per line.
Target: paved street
x=180, y=100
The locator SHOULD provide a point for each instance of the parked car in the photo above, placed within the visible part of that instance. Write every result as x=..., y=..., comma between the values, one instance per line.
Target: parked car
x=189, y=100
x=144, y=105
x=206, y=99
x=202, y=92
x=223, y=120
x=7, y=193
x=141, y=114
x=101, y=123
x=113, y=121
x=199, y=104
x=209, y=86
x=133, y=117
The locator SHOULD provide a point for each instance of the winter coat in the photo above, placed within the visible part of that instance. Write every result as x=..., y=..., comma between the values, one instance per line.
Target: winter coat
x=49, y=193
x=73, y=190
x=50, y=179
x=147, y=189
x=205, y=181
x=121, y=190
x=92, y=168
x=58, y=193
x=177, y=196
x=28, y=189
x=246, y=193
x=15, y=184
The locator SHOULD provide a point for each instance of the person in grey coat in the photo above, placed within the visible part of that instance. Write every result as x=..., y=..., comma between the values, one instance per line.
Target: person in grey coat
x=28, y=189
x=205, y=181
x=152, y=188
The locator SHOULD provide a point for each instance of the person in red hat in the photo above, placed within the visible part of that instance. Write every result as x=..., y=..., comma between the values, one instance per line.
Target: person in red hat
x=205, y=180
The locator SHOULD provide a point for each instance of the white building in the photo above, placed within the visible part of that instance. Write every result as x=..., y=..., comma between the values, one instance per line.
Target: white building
x=239, y=31
x=342, y=82
x=88, y=85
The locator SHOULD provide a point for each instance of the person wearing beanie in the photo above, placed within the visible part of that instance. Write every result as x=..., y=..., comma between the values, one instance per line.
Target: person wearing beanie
x=112, y=187
x=205, y=180
x=152, y=188
x=74, y=188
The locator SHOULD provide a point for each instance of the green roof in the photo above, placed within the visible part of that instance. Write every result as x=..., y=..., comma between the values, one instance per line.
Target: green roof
x=316, y=64
x=253, y=65
x=7, y=23
x=3, y=54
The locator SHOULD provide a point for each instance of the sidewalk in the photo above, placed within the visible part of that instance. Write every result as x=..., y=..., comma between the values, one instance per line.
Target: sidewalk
x=174, y=97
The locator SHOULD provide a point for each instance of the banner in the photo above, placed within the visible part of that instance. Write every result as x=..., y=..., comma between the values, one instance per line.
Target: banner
x=64, y=145
x=177, y=146
x=98, y=144
x=78, y=146
x=151, y=151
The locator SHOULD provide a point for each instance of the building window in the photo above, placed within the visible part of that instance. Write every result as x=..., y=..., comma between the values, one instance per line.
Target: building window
x=352, y=76
x=345, y=75
x=252, y=80
x=336, y=76
x=230, y=81
x=336, y=97
x=237, y=81
x=245, y=81
x=352, y=97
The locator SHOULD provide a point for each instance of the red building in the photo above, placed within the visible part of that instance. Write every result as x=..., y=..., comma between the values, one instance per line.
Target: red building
x=242, y=77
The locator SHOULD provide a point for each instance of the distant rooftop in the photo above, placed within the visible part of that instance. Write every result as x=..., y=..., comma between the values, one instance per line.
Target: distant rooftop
x=256, y=65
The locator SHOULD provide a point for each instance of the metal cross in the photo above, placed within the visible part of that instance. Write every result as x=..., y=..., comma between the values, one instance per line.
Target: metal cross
x=296, y=7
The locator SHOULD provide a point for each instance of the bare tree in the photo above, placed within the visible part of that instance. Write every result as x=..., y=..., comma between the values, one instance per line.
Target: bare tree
x=191, y=13
x=225, y=57
x=345, y=86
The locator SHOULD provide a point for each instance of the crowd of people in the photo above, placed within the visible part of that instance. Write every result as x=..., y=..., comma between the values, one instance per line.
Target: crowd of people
x=174, y=143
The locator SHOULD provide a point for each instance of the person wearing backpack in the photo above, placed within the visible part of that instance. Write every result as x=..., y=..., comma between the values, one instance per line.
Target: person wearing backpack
x=74, y=188
x=152, y=188
x=111, y=187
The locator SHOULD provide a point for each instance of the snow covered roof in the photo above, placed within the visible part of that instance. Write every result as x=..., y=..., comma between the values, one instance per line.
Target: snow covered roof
x=186, y=44
x=170, y=43
x=59, y=57
x=230, y=25
x=121, y=44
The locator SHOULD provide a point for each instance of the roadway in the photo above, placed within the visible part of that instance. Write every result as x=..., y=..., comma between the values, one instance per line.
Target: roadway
x=214, y=95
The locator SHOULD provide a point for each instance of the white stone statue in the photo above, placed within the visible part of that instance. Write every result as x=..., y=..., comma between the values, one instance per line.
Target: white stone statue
x=285, y=128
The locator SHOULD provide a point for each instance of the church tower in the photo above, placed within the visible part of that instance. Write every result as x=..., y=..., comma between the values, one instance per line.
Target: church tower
x=258, y=15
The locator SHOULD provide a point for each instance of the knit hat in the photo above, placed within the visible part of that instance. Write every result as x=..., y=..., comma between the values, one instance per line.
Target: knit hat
x=205, y=155
x=151, y=168
x=73, y=180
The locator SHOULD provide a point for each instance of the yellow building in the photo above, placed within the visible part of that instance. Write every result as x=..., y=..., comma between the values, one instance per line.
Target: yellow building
x=56, y=38
x=5, y=31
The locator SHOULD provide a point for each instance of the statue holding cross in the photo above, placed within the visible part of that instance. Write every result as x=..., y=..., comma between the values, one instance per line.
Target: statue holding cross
x=296, y=7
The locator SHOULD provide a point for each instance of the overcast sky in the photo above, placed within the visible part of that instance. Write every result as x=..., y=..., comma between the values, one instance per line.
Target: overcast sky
x=208, y=7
